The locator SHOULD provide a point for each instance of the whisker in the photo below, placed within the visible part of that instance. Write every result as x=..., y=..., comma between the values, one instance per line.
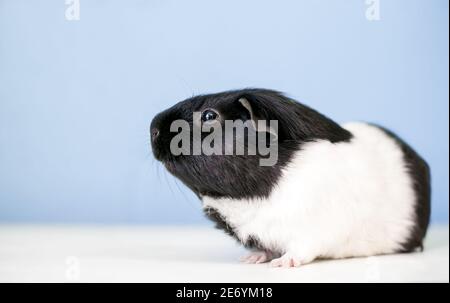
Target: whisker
x=184, y=196
x=168, y=183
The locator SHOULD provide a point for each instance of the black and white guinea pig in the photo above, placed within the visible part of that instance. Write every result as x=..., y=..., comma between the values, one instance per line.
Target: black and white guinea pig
x=336, y=191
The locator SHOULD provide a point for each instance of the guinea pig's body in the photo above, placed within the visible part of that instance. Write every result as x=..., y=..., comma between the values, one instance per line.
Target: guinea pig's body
x=340, y=191
x=334, y=201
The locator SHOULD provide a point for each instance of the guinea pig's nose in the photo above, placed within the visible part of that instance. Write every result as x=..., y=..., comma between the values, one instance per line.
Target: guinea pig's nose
x=154, y=133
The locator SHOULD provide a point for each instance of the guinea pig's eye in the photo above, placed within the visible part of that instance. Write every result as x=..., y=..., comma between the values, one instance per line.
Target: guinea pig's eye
x=209, y=115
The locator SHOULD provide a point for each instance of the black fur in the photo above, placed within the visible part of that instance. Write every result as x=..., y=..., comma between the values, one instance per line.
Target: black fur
x=419, y=172
x=241, y=176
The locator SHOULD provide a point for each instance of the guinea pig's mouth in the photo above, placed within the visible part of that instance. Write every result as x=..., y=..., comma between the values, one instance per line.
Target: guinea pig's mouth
x=160, y=154
x=169, y=165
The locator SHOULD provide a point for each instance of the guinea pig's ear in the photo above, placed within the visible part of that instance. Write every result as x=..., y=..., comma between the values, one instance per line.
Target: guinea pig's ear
x=296, y=122
x=273, y=106
x=260, y=127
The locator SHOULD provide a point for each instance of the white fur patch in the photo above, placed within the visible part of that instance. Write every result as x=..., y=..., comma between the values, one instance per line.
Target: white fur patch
x=333, y=200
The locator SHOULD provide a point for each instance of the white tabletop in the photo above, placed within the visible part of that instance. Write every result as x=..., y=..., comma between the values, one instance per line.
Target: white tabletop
x=59, y=253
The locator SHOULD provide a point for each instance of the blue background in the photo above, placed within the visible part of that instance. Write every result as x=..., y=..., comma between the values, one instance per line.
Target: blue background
x=77, y=97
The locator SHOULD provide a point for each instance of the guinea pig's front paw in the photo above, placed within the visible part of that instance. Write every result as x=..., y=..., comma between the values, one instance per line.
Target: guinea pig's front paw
x=257, y=257
x=290, y=260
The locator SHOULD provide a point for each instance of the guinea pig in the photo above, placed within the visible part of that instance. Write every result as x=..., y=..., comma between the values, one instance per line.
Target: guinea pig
x=335, y=191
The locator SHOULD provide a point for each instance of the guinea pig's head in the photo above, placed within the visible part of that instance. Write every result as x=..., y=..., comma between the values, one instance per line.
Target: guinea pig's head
x=278, y=125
